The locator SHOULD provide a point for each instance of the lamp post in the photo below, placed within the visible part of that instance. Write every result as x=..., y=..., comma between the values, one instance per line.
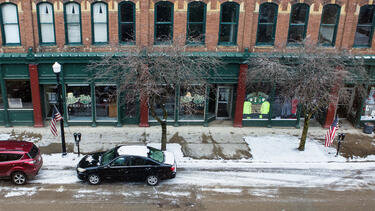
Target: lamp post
x=57, y=69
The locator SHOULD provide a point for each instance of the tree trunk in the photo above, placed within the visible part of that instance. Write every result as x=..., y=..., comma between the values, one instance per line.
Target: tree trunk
x=163, y=124
x=304, y=132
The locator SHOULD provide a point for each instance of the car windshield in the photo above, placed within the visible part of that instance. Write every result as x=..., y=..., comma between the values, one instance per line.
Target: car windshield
x=156, y=154
x=108, y=156
x=33, y=152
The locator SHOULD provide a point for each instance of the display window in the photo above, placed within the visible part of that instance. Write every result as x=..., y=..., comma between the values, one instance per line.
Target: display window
x=78, y=102
x=50, y=98
x=284, y=108
x=19, y=94
x=192, y=104
x=106, y=102
x=369, y=107
x=256, y=106
x=169, y=99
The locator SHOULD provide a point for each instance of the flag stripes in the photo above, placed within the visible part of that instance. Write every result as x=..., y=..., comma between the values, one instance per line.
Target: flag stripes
x=330, y=135
x=56, y=116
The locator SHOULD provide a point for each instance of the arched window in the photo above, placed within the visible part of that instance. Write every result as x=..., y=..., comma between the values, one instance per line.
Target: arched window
x=365, y=26
x=163, y=22
x=73, y=23
x=298, y=22
x=46, y=23
x=9, y=24
x=127, y=22
x=99, y=22
x=228, y=23
x=196, y=22
x=267, y=24
x=328, y=24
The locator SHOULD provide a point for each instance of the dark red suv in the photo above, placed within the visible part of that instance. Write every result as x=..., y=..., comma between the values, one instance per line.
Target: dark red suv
x=19, y=160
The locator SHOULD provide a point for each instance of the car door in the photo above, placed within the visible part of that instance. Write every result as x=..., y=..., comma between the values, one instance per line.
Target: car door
x=117, y=169
x=141, y=167
x=4, y=164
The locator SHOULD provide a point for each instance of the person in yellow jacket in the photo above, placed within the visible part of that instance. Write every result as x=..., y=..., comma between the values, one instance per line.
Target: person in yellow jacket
x=246, y=109
x=265, y=109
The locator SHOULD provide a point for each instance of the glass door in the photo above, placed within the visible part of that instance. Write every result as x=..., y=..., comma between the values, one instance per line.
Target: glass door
x=224, y=102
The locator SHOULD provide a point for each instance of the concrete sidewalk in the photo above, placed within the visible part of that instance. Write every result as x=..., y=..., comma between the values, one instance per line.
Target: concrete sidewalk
x=219, y=140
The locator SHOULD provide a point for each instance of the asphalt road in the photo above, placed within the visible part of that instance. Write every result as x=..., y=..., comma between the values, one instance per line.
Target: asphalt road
x=206, y=189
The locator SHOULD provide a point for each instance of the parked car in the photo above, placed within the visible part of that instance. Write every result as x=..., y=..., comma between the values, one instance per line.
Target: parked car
x=19, y=160
x=128, y=163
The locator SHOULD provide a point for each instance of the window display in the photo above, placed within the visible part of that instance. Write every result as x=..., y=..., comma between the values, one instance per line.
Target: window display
x=78, y=102
x=19, y=94
x=50, y=99
x=106, y=102
x=284, y=108
x=169, y=99
x=369, y=107
x=256, y=106
x=192, y=105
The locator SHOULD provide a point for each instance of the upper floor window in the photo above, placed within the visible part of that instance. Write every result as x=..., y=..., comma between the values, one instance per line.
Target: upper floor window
x=298, y=22
x=267, y=24
x=328, y=24
x=99, y=22
x=9, y=24
x=73, y=23
x=127, y=22
x=228, y=23
x=196, y=22
x=46, y=23
x=365, y=26
x=163, y=22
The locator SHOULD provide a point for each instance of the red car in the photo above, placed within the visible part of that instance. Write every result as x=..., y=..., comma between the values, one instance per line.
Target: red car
x=19, y=160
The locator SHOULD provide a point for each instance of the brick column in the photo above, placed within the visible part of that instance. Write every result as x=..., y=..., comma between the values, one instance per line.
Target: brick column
x=35, y=94
x=332, y=105
x=241, y=91
x=144, y=113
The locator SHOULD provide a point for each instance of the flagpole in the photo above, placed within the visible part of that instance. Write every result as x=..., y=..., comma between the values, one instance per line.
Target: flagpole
x=57, y=69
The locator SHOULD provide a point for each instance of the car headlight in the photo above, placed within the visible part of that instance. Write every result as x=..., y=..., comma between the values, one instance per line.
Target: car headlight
x=81, y=169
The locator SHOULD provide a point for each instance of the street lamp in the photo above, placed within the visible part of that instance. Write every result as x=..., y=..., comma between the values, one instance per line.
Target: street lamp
x=57, y=69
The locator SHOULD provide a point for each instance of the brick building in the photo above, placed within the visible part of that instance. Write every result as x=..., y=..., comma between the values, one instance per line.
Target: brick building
x=37, y=33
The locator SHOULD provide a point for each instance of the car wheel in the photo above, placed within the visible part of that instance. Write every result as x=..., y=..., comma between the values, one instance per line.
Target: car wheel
x=94, y=179
x=19, y=178
x=152, y=180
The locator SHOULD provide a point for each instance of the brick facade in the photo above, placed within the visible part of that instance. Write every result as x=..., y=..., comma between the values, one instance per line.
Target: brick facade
x=247, y=25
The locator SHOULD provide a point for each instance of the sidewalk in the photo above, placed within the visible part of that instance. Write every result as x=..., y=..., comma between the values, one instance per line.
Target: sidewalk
x=218, y=141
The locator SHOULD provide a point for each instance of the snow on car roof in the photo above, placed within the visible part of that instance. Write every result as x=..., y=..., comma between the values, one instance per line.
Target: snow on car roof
x=133, y=150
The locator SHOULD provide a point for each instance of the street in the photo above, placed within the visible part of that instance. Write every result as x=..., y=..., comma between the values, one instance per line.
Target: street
x=244, y=186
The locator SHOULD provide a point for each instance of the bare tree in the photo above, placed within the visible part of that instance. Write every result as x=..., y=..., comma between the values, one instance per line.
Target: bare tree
x=310, y=74
x=155, y=74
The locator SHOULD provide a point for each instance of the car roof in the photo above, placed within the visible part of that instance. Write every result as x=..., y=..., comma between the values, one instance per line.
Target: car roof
x=15, y=146
x=133, y=150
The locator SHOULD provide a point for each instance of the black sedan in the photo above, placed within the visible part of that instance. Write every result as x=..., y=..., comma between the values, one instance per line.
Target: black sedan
x=128, y=163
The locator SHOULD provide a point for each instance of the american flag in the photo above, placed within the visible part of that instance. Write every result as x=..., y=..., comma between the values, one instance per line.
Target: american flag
x=331, y=133
x=56, y=116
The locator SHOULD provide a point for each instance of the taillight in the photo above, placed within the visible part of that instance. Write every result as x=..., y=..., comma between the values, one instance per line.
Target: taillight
x=173, y=168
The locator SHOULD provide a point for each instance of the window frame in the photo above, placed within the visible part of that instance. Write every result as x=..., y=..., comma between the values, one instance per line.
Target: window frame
x=335, y=25
x=133, y=23
x=163, y=23
x=93, y=23
x=66, y=24
x=366, y=25
x=272, y=43
x=234, y=42
x=293, y=24
x=40, y=25
x=203, y=24
x=2, y=26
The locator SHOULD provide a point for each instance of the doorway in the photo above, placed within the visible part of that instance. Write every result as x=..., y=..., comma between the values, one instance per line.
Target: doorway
x=224, y=97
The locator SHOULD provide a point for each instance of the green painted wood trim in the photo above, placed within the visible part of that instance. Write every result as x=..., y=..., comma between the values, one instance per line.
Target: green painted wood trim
x=5, y=98
x=119, y=113
x=119, y=23
x=169, y=23
x=299, y=110
x=177, y=107
x=65, y=24
x=2, y=26
x=272, y=99
x=234, y=42
x=305, y=25
x=92, y=23
x=39, y=24
x=276, y=8
x=203, y=23
x=357, y=119
x=206, y=106
x=255, y=123
x=335, y=25
x=372, y=28
x=93, y=104
x=63, y=93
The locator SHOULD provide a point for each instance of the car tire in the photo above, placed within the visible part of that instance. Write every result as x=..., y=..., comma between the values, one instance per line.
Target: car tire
x=19, y=178
x=94, y=179
x=152, y=180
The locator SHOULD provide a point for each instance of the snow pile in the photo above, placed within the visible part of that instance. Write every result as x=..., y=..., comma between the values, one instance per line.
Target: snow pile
x=4, y=137
x=283, y=149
